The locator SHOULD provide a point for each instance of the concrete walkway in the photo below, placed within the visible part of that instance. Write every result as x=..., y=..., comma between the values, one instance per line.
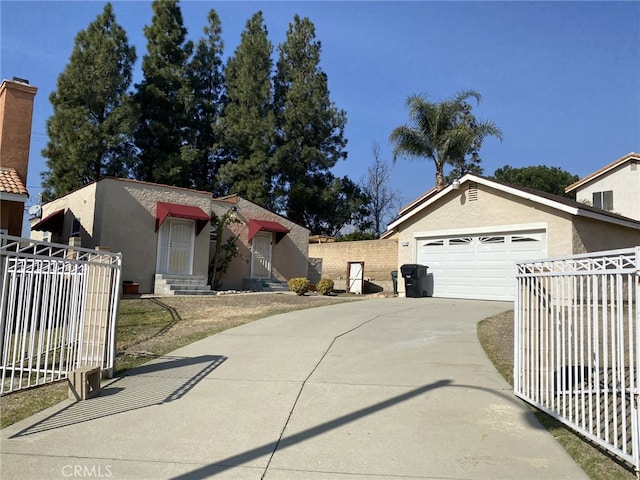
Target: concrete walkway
x=395, y=388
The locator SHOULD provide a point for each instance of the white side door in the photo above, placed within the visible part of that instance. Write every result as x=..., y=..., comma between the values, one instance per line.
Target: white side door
x=356, y=277
x=261, y=255
x=176, y=242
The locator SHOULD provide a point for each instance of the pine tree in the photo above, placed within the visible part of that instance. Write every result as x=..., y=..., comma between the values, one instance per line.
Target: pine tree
x=90, y=129
x=162, y=99
x=206, y=80
x=310, y=132
x=247, y=123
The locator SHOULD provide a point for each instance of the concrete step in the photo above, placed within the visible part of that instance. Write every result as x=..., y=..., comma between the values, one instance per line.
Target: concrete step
x=181, y=285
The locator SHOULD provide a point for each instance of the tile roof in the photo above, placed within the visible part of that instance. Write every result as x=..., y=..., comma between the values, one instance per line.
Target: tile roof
x=10, y=182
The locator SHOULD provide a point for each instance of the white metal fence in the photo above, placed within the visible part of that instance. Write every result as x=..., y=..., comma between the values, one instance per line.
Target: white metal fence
x=58, y=308
x=577, y=345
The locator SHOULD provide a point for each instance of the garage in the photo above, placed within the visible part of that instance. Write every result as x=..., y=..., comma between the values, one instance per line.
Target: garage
x=479, y=266
x=472, y=234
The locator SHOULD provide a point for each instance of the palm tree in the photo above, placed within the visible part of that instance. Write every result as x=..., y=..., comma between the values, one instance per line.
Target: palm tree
x=445, y=132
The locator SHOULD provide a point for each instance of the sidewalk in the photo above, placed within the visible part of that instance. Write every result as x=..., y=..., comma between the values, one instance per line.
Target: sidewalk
x=395, y=388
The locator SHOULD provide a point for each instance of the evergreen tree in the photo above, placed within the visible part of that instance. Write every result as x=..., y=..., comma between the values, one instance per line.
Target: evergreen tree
x=539, y=177
x=310, y=133
x=90, y=129
x=163, y=98
x=206, y=80
x=247, y=123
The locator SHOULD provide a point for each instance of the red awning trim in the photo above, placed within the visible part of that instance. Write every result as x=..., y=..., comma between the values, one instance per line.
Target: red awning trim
x=51, y=223
x=164, y=210
x=267, y=226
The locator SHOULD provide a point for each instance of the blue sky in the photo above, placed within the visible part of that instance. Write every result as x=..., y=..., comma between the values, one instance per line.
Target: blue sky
x=561, y=79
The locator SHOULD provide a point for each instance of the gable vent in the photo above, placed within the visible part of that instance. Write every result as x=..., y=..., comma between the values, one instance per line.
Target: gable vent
x=473, y=191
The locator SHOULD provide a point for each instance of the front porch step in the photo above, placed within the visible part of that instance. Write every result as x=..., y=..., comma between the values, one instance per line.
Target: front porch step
x=260, y=285
x=166, y=284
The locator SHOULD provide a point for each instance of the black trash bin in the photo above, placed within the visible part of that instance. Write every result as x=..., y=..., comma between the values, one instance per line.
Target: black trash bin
x=415, y=280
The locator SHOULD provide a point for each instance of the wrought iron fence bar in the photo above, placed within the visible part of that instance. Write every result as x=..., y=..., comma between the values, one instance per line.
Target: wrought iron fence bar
x=577, y=345
x=58, y=305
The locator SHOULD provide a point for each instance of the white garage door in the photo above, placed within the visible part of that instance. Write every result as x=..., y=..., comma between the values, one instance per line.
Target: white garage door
x=478, y=266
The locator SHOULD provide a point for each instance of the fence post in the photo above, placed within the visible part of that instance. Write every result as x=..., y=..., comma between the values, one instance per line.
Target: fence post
x=98, y=310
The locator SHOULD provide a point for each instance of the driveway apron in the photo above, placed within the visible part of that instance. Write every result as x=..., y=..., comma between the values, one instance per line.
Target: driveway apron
x=395, y=388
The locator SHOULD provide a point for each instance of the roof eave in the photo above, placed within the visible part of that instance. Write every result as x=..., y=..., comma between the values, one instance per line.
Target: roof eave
x=14, y=197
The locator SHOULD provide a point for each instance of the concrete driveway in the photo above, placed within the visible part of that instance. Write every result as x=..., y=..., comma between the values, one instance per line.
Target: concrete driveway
x=395, y=388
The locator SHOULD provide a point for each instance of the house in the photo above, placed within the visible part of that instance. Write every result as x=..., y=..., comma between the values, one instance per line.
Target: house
x=271, y=248
x=16, y=110
x=471, y=234
x=164, y=234
x=159, y=230
x=615, y=187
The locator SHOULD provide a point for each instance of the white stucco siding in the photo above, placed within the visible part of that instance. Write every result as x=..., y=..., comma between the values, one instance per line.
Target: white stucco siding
x=624, y=181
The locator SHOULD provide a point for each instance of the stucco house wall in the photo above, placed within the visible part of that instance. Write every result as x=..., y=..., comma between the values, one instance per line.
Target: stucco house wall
x=590, y=236
x=79, y=204
x=126, y=219
x=289, y=256
x=622, y=177
x=624, y=181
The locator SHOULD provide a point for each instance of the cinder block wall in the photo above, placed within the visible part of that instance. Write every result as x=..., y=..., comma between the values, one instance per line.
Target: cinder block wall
x=380, y=258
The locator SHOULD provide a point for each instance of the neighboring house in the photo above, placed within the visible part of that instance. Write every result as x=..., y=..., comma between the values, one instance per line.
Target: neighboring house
x=164, y=234
x=16, y=111
x=471, y=235
x=615, y=187
x=271, y=248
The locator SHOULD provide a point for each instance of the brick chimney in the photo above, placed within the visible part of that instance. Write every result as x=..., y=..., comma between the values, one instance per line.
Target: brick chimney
x=16, y=111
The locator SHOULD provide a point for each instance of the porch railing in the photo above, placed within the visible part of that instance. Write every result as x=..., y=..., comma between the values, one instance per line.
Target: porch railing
x=577, y=345
x=58, y=307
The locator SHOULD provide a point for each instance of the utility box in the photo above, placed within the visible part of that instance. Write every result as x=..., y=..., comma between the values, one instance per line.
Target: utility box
x=415, y=280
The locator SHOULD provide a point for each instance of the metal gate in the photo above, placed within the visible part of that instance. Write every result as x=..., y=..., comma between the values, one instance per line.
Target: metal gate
x=58, y=308
x=577, y=345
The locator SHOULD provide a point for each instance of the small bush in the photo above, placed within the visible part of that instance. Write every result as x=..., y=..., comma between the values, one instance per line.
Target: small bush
x=298, y=285
x=325, y=286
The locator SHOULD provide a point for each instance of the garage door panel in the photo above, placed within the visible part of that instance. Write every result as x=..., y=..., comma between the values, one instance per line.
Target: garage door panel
x=479, y=266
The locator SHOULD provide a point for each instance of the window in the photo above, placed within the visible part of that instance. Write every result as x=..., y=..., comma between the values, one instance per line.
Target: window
x=460, y=241
x=75, y=227
x=603, y=200
x=434, y=243
x=498, y=239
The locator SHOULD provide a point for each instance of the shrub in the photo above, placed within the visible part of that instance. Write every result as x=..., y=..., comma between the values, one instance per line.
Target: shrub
x=325, y=286
x=298, y=285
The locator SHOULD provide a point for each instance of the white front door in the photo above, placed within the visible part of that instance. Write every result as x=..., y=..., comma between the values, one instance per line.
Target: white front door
x=176, y=241
x=261, y=255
